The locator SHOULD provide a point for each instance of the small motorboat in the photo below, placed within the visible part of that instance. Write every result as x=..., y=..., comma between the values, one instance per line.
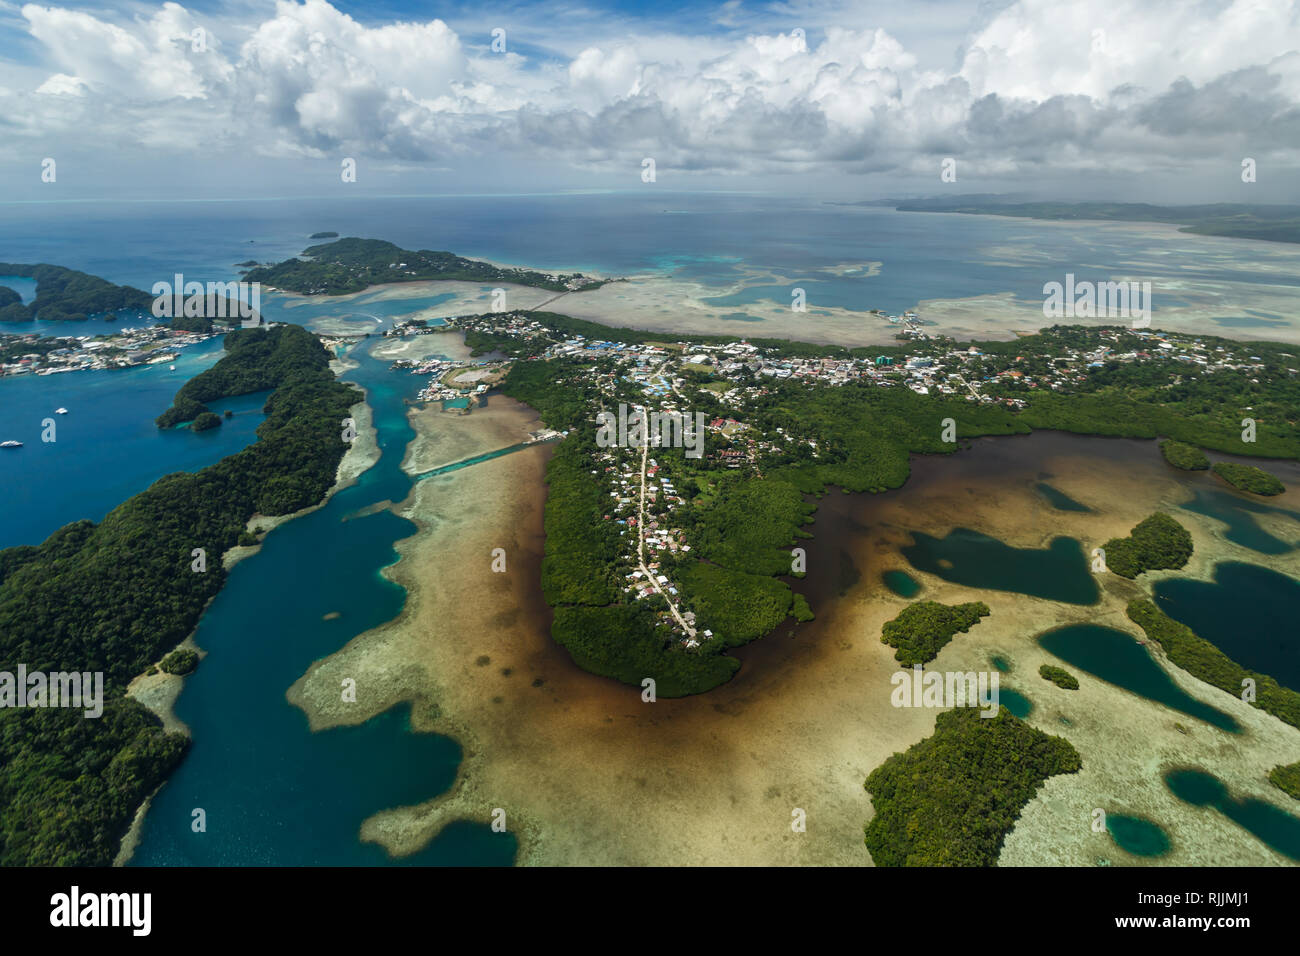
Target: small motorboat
x=11, y=444
x=60, y=411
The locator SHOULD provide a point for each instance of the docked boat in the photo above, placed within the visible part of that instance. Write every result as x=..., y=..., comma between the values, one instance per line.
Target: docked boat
x=11, y=444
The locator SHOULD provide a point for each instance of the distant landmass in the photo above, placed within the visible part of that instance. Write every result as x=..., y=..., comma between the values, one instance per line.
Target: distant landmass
x=1235, y=220
x=323, y=235
x=350, y=265
x=65, y=294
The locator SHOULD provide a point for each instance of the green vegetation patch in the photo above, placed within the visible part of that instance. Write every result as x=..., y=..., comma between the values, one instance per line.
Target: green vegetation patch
x=1206, y=662
x=256, y=359
x=182, y=661
x=752, y=525
x=1286, y=777
x=1058, y=676
x=1154, y=543
x=204, y=421
x=1184, y=456
x=1249, y=478
x=736, y=606
x=922, y=630
x=951, y=799
x=623, y=642
x=68, y=295
x=350, y=265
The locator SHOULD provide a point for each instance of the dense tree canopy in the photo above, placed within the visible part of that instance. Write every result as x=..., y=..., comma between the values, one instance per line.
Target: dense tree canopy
x=923, y=628
x=1058, y=676
x=951, y=799
x=1184, y=456
x=67, y=294
x=1249, y=478
x=1154, y=543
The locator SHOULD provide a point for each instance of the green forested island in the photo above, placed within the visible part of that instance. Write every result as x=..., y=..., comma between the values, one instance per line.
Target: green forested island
x=1184, y=456
x=204, y=421
x=253, y=363
x=951, y=799
x=351, y=265
x=1058, y=676
x=1155, y=543
x=1278, y=223
x=1249, y=478
x=114, y=596
x=66, y=294
x=923, y=628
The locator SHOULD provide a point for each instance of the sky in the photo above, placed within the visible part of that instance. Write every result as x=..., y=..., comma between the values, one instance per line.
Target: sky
x=1152, y=100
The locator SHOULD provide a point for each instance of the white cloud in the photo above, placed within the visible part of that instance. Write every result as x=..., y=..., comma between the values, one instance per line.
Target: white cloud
x=60, y=84
x=1039, y=85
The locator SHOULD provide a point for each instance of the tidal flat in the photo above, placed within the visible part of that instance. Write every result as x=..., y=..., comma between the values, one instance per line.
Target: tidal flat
x=588, y=773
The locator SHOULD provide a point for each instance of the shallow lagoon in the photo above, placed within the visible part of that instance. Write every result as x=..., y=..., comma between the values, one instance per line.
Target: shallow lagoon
x=1117, y=658
x=1278, y=829
x=1059, y=572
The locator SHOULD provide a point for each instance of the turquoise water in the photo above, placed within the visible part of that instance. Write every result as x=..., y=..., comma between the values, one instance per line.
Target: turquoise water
x=369, y=312
x=1001, y=663
x=107, y=447
x=901, y=583
x=1238, y=515
x=25, y=287
x=1136, y=835
x=1118, y=659
x=1059, y=499
x=275, y=793
x=1247, y=611
x=1270, y=825
x=1016, y=702
x=1059, y=572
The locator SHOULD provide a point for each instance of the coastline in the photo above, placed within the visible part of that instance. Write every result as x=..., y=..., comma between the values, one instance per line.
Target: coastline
x=158, y=692
x=589, y=774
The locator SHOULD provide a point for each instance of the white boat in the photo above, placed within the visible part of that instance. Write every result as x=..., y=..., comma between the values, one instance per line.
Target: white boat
x=11, y=444
x=171, y=368
x=60, y=411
